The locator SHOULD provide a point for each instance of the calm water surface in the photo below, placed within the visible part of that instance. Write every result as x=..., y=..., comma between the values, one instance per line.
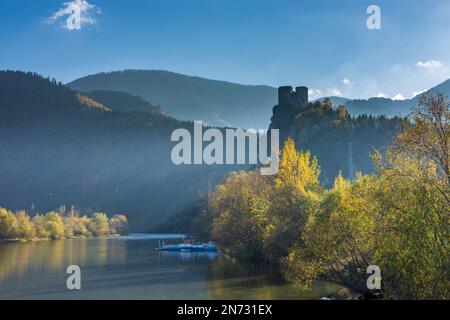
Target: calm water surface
x=130, y=268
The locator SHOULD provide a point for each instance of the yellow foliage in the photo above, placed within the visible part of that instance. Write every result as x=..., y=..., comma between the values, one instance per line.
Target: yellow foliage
x=398, y=219
x=54, y=225
x=297, y=169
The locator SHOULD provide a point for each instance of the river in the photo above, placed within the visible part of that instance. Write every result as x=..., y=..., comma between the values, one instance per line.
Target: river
x=130, y=268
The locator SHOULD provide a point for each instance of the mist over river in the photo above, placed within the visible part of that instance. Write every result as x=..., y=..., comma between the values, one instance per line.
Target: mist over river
x=130, y=268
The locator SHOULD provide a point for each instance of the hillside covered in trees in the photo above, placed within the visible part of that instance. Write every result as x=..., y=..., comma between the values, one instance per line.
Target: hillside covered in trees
x=395, y=219
x=328, y=132
x=62, y=147
x=216, y=103
x=107, y=151
x=122, y=101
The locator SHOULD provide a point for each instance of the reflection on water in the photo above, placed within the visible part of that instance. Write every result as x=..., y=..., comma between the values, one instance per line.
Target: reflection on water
x=131, y=268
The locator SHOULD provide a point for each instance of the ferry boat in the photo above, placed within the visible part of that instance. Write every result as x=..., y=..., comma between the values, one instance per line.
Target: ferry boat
x=210, y=246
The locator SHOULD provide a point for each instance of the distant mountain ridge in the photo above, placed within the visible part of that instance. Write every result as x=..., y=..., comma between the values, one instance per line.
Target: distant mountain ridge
x=217, y=103
x=221, y=103
x=385, y=106
x=379, y=106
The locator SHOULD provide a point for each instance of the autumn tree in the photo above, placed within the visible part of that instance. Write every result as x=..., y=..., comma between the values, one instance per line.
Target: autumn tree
x=54, y=225
x=428, y=136
x=398, y=219
x=40, y=225
x=296, y=195
x=99, y=224
x=58, y=225
x=25, y=227
x=412, y=239
x=336, y=243
x=118, y=224
x=8, y=224
x=413, y=236
x=239, y=207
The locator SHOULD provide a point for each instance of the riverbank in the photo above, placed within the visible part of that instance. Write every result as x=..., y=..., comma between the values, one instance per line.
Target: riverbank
x=56, y=225
x=73, y=238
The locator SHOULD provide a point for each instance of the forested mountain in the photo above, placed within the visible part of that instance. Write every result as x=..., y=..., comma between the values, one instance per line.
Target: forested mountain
x=122, y=101
x=379, y=106
x=60, y=147
x=214, y=102
x=444, y=88
x=328, y=132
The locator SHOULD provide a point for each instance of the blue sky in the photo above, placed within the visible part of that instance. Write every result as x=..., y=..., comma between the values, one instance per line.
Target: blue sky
x=322, y=44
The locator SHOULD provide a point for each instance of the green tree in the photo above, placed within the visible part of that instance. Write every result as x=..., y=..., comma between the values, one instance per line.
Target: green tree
x=412, y=240
x=239, y=207
x=397, y=220
x=412, y=245
x=336, y=243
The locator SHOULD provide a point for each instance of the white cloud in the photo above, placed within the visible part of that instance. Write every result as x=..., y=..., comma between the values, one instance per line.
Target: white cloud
x=314, y=93
x=398, y=96
x=346, y=81
x=335, y=92
x=381, y=95
x=78, y=13
x=429, y=64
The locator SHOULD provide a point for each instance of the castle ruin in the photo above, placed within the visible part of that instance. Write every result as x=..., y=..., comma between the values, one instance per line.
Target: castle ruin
x=290, y=103
x=287, y=97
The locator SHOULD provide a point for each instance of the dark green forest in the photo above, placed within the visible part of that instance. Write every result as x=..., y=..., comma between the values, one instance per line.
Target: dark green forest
x=327, y=133
x=58, y=147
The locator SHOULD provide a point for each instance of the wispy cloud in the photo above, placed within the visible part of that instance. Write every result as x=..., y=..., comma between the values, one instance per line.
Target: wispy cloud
x=429, y=64
x=78, y=13
x=346, y=81
x=398, y=96
x=335, y=92
x=314, y=93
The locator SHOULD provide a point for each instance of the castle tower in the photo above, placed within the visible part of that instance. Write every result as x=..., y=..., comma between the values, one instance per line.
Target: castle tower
x=287, y=97
x=302, y=95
